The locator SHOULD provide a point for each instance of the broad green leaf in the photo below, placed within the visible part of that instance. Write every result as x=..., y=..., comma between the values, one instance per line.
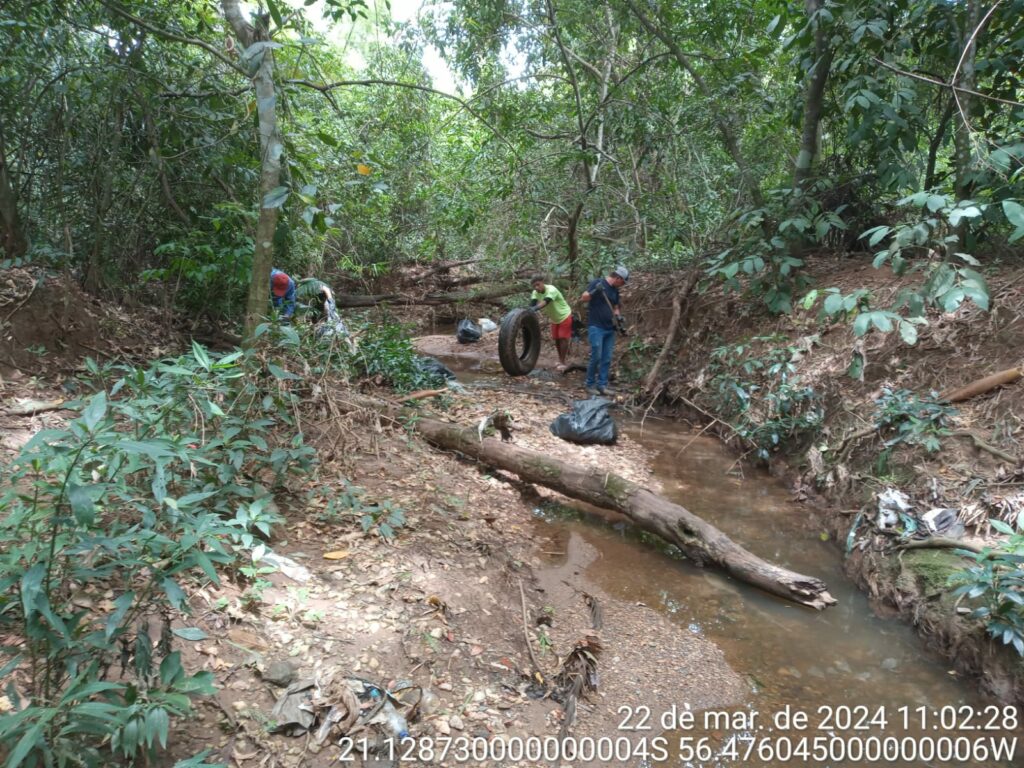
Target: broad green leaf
x=190, y=633
x=95, y=411
x=170, y=668
x=280, y=373
x=276, y=197
x=833, y=303
x=275, y=13
x=200, y=354
x=174, y=593
x=1002, y=527
x=909, y=332
x=121, y=606
x=82, y=505
x=32, y=588
x=1014, y=212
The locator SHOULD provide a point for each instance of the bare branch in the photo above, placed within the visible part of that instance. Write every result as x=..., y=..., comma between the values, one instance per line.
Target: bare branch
x=943, y=84
x=176, y=37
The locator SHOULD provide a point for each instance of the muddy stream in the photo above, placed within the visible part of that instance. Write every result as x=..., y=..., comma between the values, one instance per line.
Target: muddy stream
x=825, y=664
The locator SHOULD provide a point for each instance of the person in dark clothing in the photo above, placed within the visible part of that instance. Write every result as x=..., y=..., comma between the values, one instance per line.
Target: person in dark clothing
x=604, y=320
x=282, y=293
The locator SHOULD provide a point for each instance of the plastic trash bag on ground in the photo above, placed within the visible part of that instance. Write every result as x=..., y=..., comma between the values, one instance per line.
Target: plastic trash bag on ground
x=436, y=367
x=487, y=325
x=468, y=332
x=590, y=422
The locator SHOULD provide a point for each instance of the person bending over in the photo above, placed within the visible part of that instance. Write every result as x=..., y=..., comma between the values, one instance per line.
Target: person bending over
x=548, y=300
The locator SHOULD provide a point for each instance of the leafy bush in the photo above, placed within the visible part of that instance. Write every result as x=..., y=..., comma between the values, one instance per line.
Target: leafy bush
x=350, y=503
x=915, y=420
x=102, y=523
x=762, y=395
x=385, y=353
x=997, y=581
x=208, y=270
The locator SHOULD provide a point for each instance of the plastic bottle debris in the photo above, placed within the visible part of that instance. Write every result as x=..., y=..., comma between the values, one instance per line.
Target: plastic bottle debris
x=429, y=703
x=395, y=722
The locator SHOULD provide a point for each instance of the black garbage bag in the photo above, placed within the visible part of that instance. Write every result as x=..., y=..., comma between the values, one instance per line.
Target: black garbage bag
x=436, y=367
x=590, y=422
x=468, y=332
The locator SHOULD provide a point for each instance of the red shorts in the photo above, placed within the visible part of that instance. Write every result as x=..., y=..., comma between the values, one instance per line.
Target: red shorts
x=562, y=330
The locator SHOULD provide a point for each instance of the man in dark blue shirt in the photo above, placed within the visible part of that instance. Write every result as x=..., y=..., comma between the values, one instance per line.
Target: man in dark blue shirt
x=604, y=319
x=282, y=293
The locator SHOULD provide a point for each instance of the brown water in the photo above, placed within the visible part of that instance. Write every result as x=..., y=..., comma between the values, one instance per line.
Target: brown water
x=843, y=662
x=809, y=661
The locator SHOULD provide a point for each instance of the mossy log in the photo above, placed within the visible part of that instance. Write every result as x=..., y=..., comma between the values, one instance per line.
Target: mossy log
x=700, y=541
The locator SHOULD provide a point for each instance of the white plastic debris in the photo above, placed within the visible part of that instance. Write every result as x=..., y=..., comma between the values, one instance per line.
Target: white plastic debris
x=943, y=522
x=891, y=503
x=487, y=325
x=287, y=566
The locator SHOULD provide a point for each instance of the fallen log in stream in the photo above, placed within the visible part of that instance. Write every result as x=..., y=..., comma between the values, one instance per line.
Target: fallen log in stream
x=699, y=540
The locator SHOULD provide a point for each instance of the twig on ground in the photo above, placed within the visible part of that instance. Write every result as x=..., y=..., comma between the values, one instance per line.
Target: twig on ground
x=982, y=445
x=24, y=301
x=526, y=632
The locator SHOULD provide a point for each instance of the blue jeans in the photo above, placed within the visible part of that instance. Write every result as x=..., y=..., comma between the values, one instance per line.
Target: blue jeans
x=602, y=342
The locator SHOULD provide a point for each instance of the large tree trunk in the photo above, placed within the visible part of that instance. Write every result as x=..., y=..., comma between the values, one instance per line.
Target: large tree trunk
x=271, y=149
x=699, y=540
x=14, y=242
x=814, y=97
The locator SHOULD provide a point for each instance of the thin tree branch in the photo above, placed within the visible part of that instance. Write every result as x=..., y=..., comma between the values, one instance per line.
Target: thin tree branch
x=943, y=84
x=328, y=87
x=169, y=35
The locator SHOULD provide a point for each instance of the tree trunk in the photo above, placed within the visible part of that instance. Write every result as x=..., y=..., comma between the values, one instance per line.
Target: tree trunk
x=814, y=97
x=573, y=241
x=678, y=298
x=698, y=539
x=271, y=149
x=936, y=142
x=153, y=136
x=14, y=242
x=962, y=137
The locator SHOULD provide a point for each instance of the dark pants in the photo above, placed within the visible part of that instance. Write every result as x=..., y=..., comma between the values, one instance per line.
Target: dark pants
x=602, y=342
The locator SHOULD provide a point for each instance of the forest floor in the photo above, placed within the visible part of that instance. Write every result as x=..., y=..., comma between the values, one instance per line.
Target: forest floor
x=450, y=604
x=447, y=606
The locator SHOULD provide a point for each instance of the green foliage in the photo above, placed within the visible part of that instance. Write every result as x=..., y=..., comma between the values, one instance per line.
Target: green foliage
x=207, y=271
x=996, y=581
x=350, y=504
x=946, y=284
x=760, y=393
x=104, y=521
x=914, y=420
x=386, y=355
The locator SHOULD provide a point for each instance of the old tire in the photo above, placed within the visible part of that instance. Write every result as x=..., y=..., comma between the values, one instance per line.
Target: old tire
x=519, y=342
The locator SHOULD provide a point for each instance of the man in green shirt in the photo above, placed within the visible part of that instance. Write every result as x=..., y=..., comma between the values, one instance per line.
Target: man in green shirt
x=548, y=300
